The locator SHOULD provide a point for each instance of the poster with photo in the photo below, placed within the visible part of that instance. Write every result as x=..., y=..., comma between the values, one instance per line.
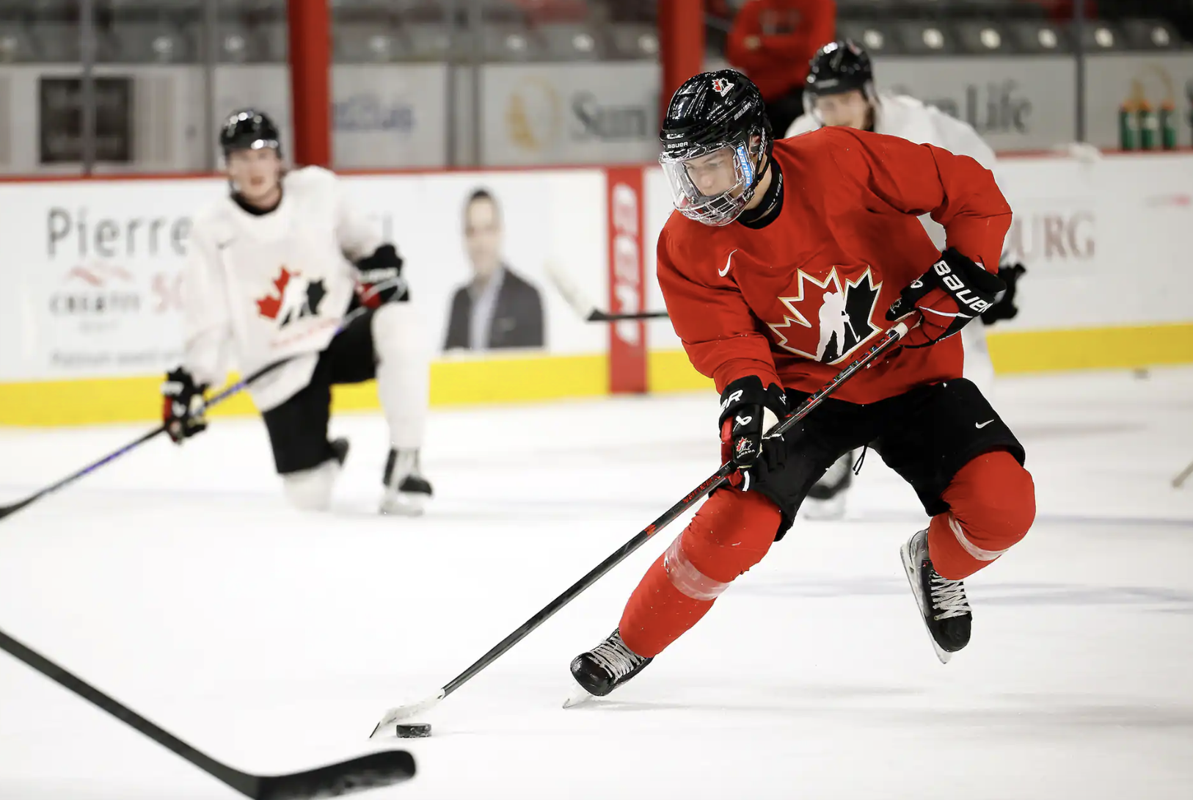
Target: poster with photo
x=477, y=248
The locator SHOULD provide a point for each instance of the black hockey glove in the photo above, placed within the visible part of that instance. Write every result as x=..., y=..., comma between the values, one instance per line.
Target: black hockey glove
x=183, y=406
x=1004, y=304
x=381, y=278
x=951, y=294
x=747, y=412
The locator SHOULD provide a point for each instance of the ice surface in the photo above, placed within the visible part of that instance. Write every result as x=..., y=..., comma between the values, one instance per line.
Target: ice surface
x=177, y=581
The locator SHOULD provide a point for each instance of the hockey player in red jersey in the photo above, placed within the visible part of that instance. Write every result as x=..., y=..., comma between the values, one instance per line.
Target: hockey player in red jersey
x=780, y=263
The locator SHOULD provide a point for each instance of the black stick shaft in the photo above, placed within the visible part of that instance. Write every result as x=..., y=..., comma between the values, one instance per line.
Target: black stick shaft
x=605, y=316
x=235, y=388
x=382, y=768
x=237, y=780
x=714, y=481
x=223, y=395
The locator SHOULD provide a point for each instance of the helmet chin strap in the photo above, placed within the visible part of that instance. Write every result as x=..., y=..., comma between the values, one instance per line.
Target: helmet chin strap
x=762, y=168
x=764, y=159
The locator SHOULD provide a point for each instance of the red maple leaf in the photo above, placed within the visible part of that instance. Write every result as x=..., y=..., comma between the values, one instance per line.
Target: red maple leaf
x=269, y=306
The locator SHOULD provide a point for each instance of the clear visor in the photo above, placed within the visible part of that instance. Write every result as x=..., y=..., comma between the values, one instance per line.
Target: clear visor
x=710, y=185
x=851, y=107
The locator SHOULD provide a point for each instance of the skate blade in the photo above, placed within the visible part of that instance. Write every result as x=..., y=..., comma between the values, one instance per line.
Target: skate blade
x=578, y=698
x=404, y=505
x=918, y=599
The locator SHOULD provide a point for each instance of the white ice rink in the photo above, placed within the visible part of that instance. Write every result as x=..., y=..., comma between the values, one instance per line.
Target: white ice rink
x=177, y=581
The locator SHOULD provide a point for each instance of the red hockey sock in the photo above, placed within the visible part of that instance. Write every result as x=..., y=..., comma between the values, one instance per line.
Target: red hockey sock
x=731, y=533
x=992, y=504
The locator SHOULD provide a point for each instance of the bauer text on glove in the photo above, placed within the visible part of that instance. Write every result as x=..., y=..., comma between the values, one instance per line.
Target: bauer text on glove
x=953, y=293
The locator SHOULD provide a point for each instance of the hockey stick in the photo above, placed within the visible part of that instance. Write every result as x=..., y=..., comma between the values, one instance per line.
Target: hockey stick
x=160, y=429
x=714, y=481
x=1180, y=479
x=223, y=395
x=580, y=302
x=365, y=772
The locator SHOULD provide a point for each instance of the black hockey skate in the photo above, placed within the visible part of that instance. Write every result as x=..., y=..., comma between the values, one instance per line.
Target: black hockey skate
x=605, y=667
x=339, y=448
x=406, y=490
x=826, y=498
x=942, y=602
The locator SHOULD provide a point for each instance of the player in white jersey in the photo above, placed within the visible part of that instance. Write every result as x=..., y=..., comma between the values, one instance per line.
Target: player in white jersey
x=283, y=269
x=840, y=91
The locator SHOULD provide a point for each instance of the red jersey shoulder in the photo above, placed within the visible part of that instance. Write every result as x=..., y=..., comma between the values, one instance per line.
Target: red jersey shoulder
x=685, y=239
x=813, y=144
x=808, y=160
x=701, y=254
x=830, y=146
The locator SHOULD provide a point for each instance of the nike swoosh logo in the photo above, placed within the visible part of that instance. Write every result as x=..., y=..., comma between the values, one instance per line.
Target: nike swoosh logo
x=728, y=264
x=980, y=425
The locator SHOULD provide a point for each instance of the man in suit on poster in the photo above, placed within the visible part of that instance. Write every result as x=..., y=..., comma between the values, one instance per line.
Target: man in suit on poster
x=497, y=309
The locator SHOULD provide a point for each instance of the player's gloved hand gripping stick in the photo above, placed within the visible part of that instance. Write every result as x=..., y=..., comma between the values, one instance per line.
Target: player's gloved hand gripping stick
x=718, y=479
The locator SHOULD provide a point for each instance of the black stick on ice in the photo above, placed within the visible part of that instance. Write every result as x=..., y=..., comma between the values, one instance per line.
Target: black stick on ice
x=366, y=772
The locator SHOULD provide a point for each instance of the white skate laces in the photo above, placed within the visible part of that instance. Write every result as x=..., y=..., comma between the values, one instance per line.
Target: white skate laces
x=615, y=658
x=948, y=597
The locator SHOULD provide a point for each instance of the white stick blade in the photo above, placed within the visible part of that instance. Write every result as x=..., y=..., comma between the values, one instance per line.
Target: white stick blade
x=404, y=712
x=570, y=291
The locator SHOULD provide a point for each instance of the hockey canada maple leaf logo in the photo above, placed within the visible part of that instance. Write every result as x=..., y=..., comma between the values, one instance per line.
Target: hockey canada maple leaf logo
x=721, y=86
x=830, y=318
x=296, y=298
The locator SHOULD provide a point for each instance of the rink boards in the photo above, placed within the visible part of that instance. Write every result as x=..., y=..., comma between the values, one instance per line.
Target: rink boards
x=91, y=274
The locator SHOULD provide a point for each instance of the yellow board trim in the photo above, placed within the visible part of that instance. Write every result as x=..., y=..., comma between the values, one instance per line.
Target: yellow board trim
x=670, y=371
x=1124, y=347
x=1013, y=352
x=538, y=378
x=512, y=379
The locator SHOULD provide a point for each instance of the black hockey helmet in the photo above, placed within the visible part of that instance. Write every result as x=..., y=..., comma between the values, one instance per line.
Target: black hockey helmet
x=838, y=67
x=249, y=129
x=715, y=113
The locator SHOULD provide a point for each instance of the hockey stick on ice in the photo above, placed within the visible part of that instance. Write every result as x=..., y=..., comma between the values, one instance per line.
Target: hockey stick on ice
x=366, y=772
x=1180, y=479
x=714, y=481
x=583, y=305
x=235, y=388
x=223, y=395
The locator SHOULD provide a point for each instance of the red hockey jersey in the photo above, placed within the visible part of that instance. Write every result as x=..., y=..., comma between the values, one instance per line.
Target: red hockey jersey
x=792, y=302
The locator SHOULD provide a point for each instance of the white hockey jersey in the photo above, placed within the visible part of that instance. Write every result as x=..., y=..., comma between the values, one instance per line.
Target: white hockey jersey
x=261, y=288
